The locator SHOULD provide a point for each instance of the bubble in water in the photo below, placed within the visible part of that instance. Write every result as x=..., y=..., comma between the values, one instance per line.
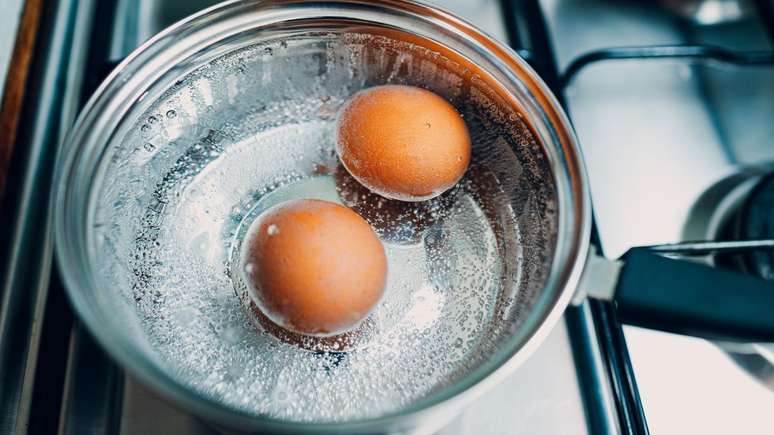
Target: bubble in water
x=327, y=111
x=175, y=278
x=152, y=120
x=171, y=114
x=162, y=269
x=187, y=315
x=149, y=147
x=235, y=370
x=145, y=128
x=272, y=230
x=232, y=334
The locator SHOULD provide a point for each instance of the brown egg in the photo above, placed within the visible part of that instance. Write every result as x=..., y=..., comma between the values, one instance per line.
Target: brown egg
x=403, y=142
x=314, y=267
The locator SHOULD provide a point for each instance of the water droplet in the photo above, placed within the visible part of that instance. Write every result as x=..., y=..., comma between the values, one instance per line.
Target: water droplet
x=171, y=114
x=428, y=125
x=145, y=128
x=272, y=230
x=152, y=120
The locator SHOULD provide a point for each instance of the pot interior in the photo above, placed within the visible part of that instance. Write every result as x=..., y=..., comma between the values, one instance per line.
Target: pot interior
x=250, y=124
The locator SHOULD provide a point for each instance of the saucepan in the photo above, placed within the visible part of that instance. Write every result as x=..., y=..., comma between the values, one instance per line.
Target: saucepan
x=232, y=110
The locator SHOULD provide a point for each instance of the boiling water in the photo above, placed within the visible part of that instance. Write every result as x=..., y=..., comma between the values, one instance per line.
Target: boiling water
x=205, y=160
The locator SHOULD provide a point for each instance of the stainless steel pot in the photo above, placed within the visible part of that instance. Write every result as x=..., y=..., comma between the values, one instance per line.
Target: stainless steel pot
x=114, y=174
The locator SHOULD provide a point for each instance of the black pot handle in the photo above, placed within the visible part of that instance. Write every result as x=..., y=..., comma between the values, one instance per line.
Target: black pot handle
x=694, y=299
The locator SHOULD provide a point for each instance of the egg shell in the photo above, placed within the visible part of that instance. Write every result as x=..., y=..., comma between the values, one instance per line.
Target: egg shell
x=403, y=142
x=314, y=267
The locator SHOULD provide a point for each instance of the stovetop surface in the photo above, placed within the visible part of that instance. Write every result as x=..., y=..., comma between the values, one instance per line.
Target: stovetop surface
x=656, y=135
x=653, y=127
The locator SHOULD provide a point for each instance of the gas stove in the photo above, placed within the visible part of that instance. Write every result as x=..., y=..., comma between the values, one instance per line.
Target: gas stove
x=675, y=139
x=673, y=116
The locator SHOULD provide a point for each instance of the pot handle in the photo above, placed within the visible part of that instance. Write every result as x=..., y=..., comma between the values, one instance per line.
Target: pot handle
x=694, y=299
